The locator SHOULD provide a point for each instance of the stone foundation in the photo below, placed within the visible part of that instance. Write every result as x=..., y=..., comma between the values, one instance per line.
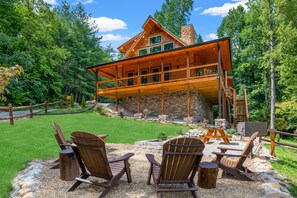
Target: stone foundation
x=222, y=123
x=163, y=118
x=175, y=105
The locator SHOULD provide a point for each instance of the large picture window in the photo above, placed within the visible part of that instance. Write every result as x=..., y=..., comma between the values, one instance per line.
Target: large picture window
x=168, y=46
x=155, y=40
x=155, y=49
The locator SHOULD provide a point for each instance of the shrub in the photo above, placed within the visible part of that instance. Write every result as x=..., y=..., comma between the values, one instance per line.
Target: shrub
x=101, y=110
x=83, y=102
x=146, y=112
x=162, y=136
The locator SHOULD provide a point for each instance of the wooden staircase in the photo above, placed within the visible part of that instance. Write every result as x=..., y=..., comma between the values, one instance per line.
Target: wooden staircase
x=240, y=109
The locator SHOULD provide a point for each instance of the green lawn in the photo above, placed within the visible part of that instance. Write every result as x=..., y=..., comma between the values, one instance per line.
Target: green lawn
x=287, y=163
x=31, y=139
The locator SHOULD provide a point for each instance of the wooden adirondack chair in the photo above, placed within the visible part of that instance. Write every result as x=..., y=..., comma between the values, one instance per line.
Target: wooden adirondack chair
x=181, y=158
x=62, y=142
x=91, y=155
x=233, y=163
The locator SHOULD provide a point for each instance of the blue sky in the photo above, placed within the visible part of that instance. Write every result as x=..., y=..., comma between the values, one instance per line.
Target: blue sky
x=120, y=20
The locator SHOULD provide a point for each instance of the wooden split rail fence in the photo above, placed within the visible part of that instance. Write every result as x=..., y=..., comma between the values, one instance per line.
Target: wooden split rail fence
x=273, y=142
x=10, y=110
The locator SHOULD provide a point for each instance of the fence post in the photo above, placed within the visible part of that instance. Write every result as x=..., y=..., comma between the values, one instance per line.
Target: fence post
x=31, y=111
x=61, y=103
x=272, y=142
x=45, y=106
x=10, y=114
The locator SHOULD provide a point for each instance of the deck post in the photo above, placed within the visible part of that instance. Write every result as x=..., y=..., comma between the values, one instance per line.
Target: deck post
x=138, y=74
x=219, y=82
x=162, y=71
x=138, y=108
x=116, y=76
x=117, y=102
x=188, y=66
x=96, y=87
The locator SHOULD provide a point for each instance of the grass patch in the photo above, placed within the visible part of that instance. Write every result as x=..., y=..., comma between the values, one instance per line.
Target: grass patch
x=31, y=139
x=286, y=164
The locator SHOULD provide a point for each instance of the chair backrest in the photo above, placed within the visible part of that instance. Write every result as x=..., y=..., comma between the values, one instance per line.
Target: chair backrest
x=247, y=149
x=59, y=136
x=90, y=149
x=181, y=157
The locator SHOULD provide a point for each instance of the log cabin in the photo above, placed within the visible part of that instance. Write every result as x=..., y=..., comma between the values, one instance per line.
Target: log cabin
x=169, y=75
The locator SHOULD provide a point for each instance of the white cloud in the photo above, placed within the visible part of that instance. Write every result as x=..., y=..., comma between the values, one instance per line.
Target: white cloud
x=51, y=2
x=112, y=37
x=105, y=24
x=224, y=9
x=87, y=2
x=211, y=36
x=196, y=9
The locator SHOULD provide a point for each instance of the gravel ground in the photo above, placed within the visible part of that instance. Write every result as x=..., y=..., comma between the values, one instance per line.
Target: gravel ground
x=52, y=186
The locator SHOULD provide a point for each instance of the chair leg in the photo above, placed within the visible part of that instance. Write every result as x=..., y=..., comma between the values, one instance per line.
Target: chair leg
x=149, y=175
x=104, y=192
x=77, y=183
x=194, y=193
x=128, y=171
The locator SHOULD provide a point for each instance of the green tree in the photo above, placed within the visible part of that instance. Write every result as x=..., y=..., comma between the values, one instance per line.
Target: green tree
x=199, y=39
x=174, y=14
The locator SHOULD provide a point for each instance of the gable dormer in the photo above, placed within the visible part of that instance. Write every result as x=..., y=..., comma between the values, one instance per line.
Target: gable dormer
x=154, y=38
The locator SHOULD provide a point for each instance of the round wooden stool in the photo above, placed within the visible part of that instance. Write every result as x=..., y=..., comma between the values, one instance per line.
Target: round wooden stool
x=69, y=168
x=207, y=176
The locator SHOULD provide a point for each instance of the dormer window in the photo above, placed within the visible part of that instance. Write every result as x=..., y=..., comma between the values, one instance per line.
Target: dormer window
x=155, y=40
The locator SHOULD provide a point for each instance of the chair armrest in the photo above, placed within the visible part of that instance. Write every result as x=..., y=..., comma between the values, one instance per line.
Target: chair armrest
x=231, y=149
x=122, y=158
x=228, y=155
x=151, y=159
x=69, y=141
x=69, y=144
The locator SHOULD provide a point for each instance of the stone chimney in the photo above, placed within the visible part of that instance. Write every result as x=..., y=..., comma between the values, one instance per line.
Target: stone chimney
x=188, y=34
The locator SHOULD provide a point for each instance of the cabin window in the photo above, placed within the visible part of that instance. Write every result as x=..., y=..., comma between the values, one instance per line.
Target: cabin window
x=142, y=52
x=156, y=49
x=155, y=40
x=130, y=81
x=168, y=46
x=156, y=77
x=199, y=72
x=166, y=75
x=144, y=78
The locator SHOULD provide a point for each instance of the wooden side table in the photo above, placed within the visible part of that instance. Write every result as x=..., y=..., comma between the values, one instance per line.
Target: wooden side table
x=207, y=175
x=69, y=168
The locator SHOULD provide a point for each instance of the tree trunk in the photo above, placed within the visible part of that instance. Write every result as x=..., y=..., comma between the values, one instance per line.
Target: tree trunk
x=272, y=70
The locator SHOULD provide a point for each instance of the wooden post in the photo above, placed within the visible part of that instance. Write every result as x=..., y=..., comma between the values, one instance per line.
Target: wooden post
x=188, y=66
x=61, y=103
x=138, y=74
x=45, y=106
x=116, y=75
x=234, y=106
x=219, y=82
x=246, y=106
x=10, y=110
x=96, y=87
x=31, y=111
x=138, y=108
x=117, y=102
x=272, y=142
